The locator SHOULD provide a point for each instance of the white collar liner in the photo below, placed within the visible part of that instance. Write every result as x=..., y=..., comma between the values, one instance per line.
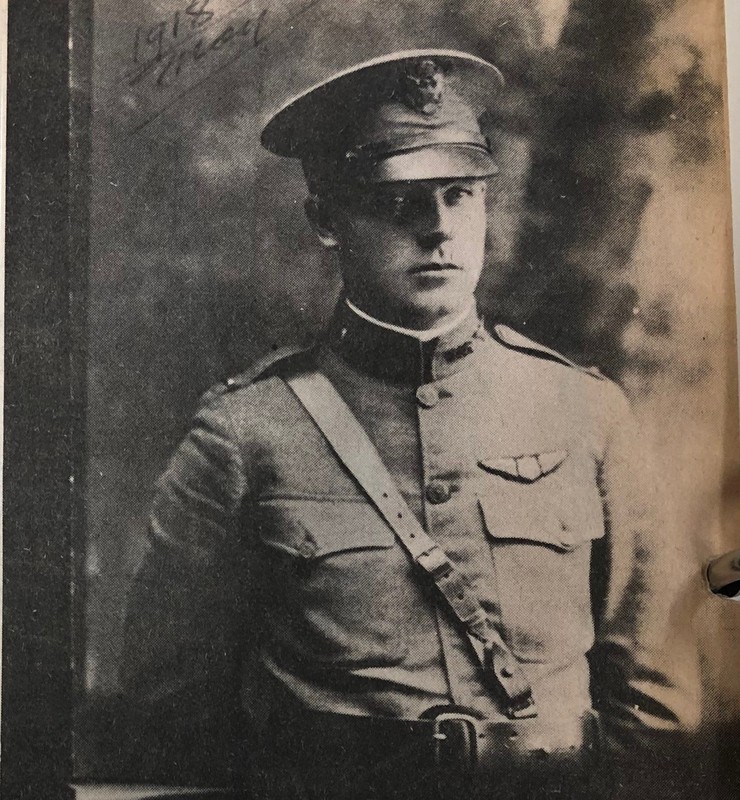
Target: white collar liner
x=422, y=336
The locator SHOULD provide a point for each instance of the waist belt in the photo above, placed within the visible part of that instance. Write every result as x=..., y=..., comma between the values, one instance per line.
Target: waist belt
x=353, y=447
x=448, y=741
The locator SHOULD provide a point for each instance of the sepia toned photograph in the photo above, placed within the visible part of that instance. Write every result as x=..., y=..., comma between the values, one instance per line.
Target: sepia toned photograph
x=402, y=371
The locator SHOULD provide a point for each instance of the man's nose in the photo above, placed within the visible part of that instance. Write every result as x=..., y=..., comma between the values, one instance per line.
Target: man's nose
x=435, y=225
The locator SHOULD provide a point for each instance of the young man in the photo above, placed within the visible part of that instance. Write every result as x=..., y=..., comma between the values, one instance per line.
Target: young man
x=417, y=556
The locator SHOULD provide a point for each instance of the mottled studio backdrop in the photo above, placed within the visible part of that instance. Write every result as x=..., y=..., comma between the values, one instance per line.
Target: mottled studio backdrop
x=608, y=237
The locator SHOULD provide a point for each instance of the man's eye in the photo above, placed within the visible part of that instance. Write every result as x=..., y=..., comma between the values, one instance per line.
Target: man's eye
x=455, y=194
x=403, y=207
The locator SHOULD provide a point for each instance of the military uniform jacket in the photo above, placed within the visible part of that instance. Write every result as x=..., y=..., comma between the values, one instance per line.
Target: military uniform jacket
x=269, y=570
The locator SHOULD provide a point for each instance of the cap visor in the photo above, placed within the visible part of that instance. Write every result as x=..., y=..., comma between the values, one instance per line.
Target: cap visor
x=430, y=163
x=291, y=131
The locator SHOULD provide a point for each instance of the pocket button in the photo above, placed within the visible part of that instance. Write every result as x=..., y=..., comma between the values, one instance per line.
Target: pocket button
x=307, y=549
x=438, y=492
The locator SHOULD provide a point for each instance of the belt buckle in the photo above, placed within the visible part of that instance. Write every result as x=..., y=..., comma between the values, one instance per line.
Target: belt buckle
x=463, y=723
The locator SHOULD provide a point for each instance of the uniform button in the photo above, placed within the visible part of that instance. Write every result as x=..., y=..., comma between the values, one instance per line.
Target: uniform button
x=427, y=396
x=438, y=492
x=307, y=549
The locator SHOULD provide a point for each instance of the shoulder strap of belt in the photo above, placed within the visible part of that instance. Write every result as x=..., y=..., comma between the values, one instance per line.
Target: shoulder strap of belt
x=355, y=450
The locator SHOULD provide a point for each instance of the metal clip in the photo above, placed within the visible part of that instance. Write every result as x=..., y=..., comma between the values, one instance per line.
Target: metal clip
x=723, y=575
x=522, y=707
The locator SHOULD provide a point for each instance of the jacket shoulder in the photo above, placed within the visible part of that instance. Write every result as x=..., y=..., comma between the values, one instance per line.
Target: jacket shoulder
x=514, y=340
x=261, y=368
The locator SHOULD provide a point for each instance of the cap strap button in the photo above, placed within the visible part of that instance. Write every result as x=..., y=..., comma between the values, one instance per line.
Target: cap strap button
x=438, y=492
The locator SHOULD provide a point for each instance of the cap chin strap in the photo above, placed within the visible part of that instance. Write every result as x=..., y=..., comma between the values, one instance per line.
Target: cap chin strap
x=434, y=137
x=353, y=447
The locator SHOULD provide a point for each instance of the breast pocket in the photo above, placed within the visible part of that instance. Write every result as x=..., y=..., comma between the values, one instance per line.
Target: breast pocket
x=541, y=523
x=335, y=574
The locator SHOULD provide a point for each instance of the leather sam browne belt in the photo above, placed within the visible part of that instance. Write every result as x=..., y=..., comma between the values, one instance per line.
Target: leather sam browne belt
x=450, y=749
x=451, y=733
x=351, y=444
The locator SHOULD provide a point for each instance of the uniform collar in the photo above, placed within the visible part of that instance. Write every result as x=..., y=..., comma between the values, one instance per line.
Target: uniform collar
x=421, y=336
x=397, y=355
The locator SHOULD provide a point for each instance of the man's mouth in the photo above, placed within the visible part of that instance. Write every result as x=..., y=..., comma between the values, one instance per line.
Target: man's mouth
x=433, y=266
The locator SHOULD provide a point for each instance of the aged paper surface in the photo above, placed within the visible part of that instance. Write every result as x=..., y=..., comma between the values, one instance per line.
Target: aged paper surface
x=608, y=240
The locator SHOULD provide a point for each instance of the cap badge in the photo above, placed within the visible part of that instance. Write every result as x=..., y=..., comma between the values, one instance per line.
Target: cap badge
x=421, y=84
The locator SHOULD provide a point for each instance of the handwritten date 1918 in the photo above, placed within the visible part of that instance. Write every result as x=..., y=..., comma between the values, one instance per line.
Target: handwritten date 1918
x=151, y=42
x=193, y=33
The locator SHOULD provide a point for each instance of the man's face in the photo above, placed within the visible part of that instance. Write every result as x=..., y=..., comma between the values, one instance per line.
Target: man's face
x=411, y=252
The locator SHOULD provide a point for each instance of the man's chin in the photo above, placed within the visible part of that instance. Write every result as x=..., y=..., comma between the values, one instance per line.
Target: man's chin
x=429, y=312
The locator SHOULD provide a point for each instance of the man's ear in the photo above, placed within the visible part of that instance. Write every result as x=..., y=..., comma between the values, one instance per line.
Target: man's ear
x=319, y=216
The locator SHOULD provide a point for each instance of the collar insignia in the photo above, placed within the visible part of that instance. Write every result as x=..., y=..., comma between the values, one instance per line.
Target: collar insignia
x=465, y=349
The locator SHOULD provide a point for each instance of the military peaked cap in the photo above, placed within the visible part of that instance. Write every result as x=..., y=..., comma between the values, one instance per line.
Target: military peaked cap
x=412, y=115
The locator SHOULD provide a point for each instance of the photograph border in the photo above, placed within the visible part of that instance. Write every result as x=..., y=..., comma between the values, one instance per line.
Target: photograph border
x=48, y=151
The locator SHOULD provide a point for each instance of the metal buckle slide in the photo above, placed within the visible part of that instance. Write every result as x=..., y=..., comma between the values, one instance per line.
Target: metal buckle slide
x=455, y=733
x=435, y=563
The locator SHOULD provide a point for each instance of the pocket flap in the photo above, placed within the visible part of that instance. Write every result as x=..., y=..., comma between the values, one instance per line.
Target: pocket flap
x=524, y=519
x=315, y=528
x=524, y=468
